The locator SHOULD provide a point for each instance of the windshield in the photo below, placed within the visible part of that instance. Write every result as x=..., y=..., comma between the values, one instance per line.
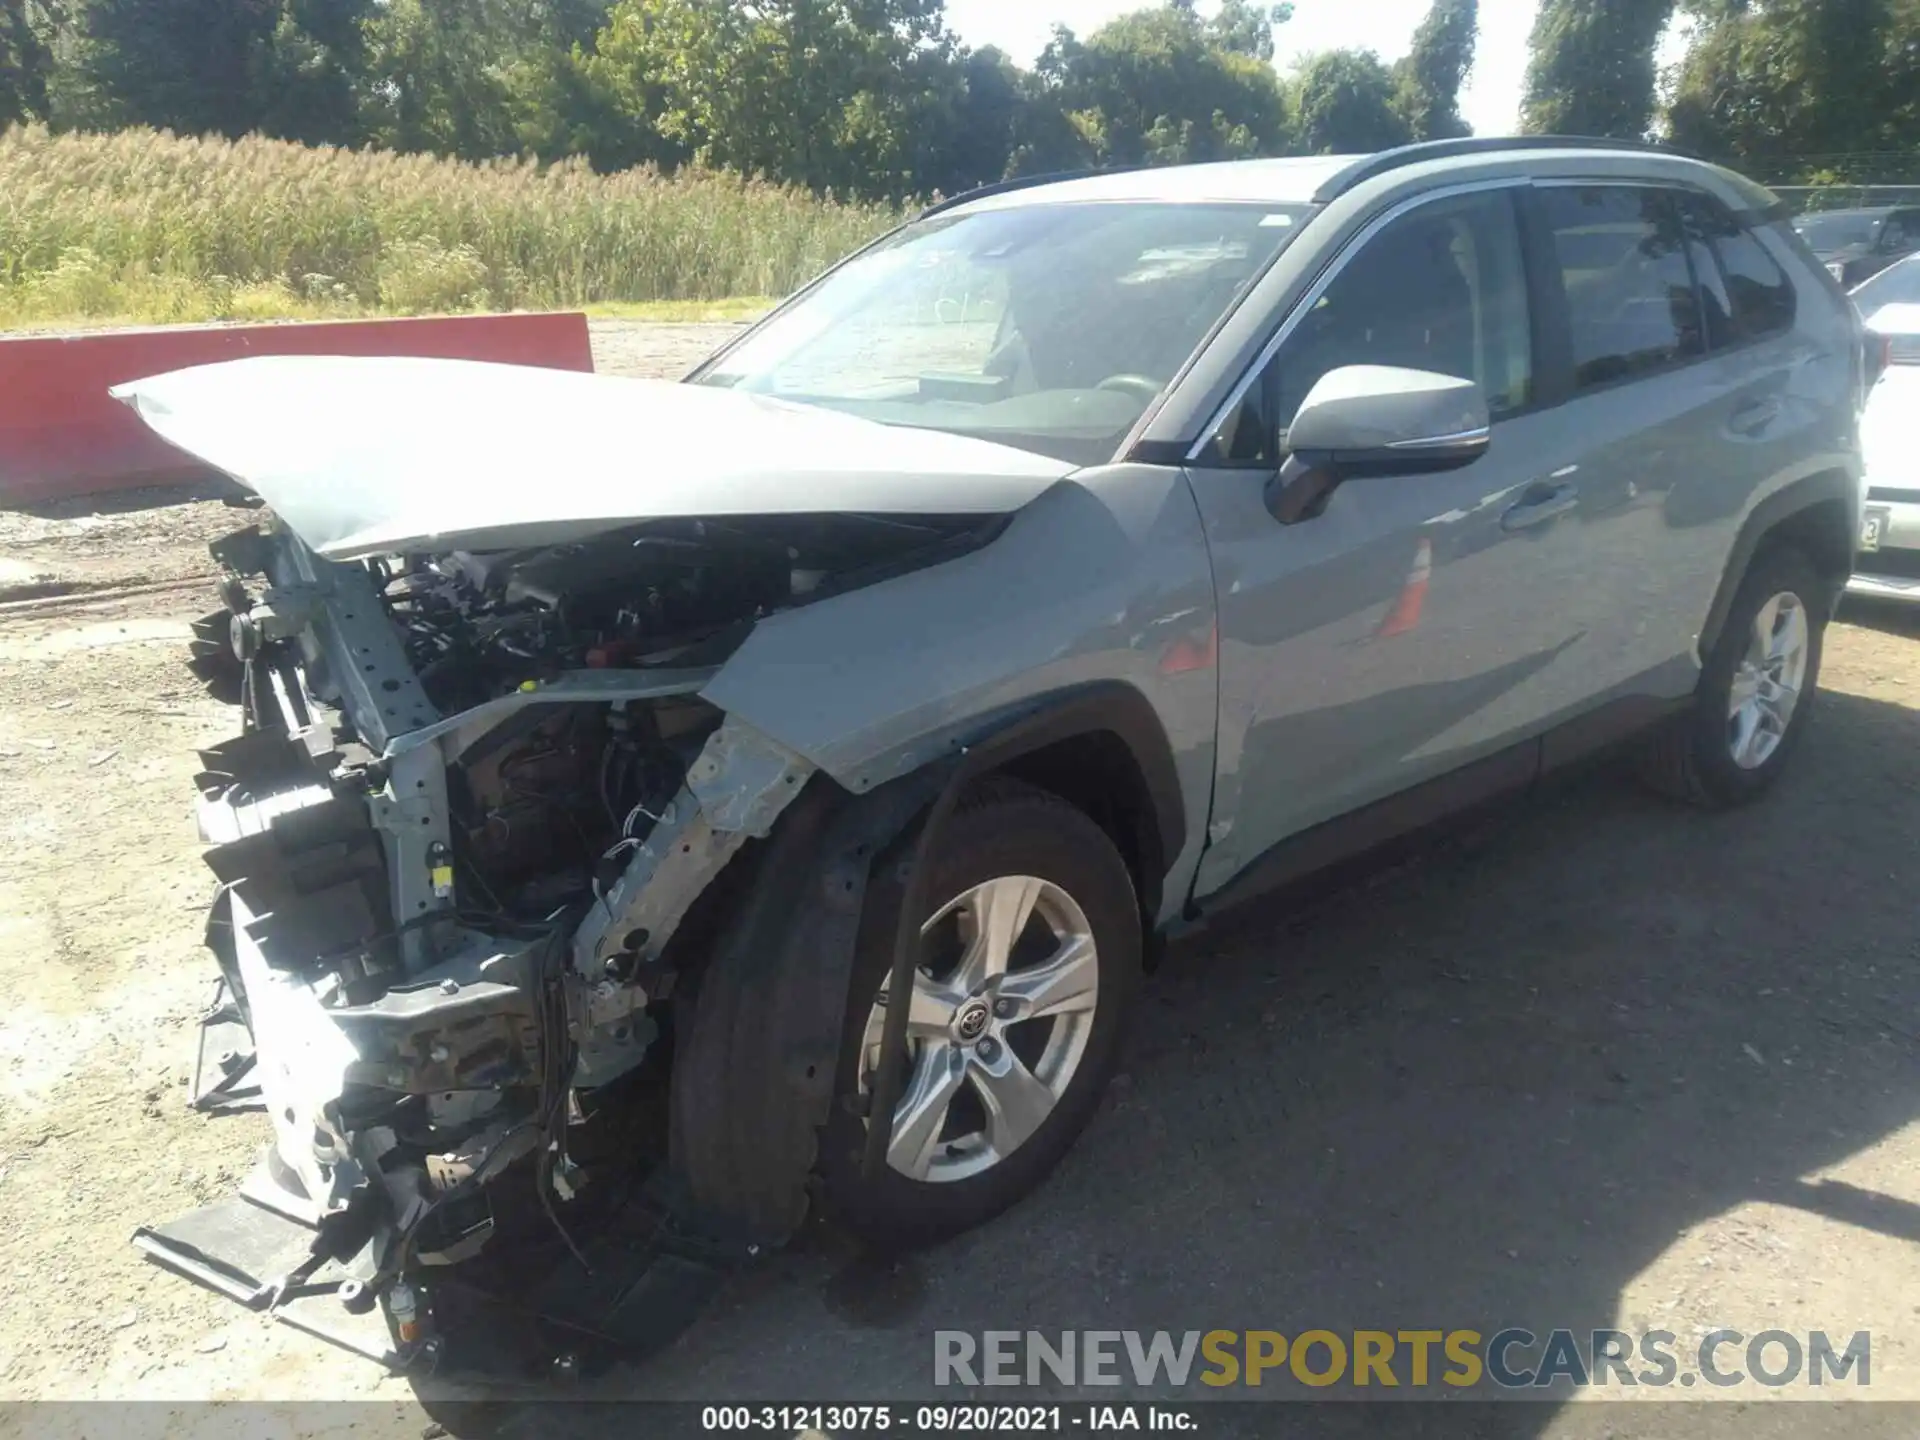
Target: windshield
x=1896, y=285
x=1048, y=327
x=1837, y=232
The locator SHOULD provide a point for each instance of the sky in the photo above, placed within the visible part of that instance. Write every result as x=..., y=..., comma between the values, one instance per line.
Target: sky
x=1490, y=103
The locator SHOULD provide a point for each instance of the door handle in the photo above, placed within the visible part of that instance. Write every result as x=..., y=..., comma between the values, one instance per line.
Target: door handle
x=1538, y=505
x=1754, y=416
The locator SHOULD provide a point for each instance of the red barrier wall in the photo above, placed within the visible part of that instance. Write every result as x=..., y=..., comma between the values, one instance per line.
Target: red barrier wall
x=61, y=434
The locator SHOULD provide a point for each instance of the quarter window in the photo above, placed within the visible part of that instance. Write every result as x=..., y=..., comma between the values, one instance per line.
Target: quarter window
x=1631, y=305
x=1746, y=293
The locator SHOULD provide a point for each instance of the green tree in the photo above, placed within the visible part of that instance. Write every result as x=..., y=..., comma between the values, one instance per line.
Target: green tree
x=478, y=78
x=287, y=68
x=440, y=68
x=1793, y=85
x=1045, y=138
x=1345, y=100
x=1591, y=71
x=835, y=94
x=1245, y=27
x=1428, y=80
x=561, y=107
x=1902, y=77
x=987, y=110
x=1155, y=87
x=24, y=63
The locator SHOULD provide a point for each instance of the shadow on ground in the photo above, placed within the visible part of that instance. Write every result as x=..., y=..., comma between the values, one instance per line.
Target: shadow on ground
x=122, y=502
x=1891, y=617
x=1486, y=1090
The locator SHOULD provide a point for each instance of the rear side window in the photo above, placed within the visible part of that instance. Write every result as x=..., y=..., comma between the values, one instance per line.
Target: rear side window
x=1746, y=294
x=1631, y=305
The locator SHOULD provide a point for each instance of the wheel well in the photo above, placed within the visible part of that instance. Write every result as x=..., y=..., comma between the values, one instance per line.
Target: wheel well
x=1815, y=515
x=1097, y=773
x=1823, y=532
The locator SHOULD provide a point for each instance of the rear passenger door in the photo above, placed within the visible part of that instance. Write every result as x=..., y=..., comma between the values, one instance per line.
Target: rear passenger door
x=1676, y=392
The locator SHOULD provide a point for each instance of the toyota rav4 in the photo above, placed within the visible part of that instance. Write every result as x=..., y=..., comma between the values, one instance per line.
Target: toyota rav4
x=664, y=812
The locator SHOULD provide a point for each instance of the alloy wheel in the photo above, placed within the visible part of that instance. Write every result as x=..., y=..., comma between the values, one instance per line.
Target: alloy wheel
x=1766, y=683
x=1002, y=1006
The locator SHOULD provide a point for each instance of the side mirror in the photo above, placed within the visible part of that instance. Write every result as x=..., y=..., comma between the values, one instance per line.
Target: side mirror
x=1364, y=420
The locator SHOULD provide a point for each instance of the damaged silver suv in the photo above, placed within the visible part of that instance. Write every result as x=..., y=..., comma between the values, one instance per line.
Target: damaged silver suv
x=664, y=812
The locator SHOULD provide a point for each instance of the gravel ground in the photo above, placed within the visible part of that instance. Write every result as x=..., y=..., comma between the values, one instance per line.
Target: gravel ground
x=627, y=347
x=1597, y=1062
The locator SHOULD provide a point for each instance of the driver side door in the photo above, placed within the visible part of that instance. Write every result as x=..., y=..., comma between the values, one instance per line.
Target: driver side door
x=1414, y=630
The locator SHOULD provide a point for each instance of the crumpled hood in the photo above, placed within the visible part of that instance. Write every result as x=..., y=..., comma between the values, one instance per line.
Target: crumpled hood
x=365, y=456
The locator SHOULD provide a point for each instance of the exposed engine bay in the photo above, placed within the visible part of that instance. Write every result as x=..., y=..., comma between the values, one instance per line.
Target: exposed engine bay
x=471, y=844
x=663, y=593
x=543, y=804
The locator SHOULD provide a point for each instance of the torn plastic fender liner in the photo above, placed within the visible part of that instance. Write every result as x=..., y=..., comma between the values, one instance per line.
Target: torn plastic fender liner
x=753, y=1081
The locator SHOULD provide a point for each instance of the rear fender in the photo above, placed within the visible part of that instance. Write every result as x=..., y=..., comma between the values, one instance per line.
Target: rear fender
x=1818, y=512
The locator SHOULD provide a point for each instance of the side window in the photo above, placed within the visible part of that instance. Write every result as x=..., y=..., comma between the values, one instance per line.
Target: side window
x=1747, y=294
x=1441, y=289
x=1898, y=236
x=1631, y=305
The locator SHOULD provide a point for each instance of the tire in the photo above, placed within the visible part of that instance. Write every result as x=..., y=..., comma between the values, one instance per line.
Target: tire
x=968, y=1051
x=1708, y=756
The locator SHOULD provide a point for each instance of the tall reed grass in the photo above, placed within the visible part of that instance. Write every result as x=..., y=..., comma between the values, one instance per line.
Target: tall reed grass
x=148, y=226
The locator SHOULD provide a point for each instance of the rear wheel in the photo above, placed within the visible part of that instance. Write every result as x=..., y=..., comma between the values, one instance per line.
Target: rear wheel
x=1030, y=960
x=1755, y=692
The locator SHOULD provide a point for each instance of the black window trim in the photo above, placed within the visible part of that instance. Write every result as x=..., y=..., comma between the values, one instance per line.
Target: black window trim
x=1553, y=367
x=1700, y=296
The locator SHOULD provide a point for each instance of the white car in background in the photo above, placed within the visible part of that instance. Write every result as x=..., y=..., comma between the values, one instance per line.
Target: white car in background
x=1889, y=561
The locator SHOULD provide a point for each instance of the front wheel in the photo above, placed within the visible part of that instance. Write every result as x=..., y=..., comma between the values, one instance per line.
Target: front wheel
x=1755, y=692
x=1030, y=960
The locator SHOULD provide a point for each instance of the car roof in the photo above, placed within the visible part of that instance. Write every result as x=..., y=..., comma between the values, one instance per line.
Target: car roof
x=1319, y=179
x=1291, y=180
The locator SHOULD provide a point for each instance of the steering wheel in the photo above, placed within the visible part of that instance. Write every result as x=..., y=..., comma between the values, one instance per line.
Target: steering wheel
x=1145, y=386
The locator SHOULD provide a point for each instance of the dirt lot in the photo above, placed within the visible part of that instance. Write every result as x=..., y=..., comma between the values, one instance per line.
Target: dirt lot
x=1599, y=1062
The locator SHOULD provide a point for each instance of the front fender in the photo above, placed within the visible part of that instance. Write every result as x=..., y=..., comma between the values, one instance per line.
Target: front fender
x=1102, y=579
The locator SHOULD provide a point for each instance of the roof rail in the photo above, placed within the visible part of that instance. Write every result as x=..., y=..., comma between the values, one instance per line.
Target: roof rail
x=1387, y=160
x=1023, y=182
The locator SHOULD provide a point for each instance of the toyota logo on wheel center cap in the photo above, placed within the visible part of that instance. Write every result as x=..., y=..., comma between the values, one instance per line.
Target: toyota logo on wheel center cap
x=971, y=1022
